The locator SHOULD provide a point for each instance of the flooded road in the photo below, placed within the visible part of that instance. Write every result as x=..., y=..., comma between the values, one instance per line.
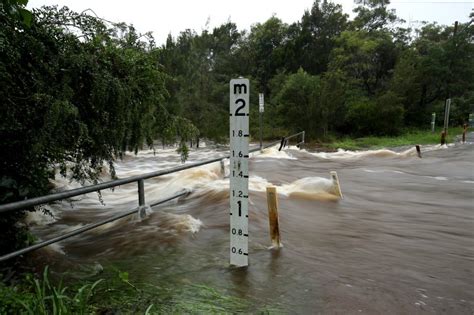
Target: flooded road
x=400, y=242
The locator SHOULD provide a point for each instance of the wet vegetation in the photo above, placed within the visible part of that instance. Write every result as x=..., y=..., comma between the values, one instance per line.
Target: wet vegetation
x=115, y=293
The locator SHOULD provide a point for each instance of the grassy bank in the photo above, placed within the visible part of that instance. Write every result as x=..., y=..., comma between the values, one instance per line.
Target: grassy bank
x=115, y=293
x=412, y=137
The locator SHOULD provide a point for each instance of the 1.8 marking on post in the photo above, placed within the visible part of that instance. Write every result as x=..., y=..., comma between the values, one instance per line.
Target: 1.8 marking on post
x=239, y=154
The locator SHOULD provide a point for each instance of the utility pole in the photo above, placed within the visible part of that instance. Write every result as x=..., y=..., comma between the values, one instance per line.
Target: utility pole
x=450, y=81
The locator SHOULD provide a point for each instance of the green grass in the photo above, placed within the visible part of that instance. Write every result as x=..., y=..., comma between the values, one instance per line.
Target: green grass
x=408, y=138
x=39, y=296
x=116, y=294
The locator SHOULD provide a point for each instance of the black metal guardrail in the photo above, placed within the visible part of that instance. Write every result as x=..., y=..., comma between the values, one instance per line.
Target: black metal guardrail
x=83, y=229
x=285, y=140
x=28, y=203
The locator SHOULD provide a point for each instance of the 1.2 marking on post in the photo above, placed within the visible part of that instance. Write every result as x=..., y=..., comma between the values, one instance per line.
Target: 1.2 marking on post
x=239, y=149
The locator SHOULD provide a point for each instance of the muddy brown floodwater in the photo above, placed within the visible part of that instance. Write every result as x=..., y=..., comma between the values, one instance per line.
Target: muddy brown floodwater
x=400, y=242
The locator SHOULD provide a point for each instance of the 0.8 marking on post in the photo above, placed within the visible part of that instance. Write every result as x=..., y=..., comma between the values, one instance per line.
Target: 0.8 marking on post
x=239, y=175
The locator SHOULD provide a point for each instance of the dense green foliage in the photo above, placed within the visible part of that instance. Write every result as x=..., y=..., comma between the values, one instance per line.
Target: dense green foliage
x=326, y=74
x=76, y=93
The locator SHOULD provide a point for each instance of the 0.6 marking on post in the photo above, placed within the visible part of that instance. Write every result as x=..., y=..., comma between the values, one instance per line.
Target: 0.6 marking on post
x=239, y=174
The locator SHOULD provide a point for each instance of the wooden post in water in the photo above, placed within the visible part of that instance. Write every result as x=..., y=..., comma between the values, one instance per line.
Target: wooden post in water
x=443, y=137
x=272, y=202
x=464, y=133
x=418, y=151
x=336, y=185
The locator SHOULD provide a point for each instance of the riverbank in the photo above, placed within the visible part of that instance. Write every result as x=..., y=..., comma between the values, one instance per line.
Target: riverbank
x=411, y=137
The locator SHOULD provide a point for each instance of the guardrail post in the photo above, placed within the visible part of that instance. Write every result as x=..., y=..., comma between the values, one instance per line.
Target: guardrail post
x=141, y=192
x=282, y=144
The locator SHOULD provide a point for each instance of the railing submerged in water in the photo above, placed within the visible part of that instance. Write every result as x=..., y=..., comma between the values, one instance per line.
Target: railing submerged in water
x=285, y=140
x=140, y=179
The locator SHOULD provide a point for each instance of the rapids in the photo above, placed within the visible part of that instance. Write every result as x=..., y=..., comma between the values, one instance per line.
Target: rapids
x=401, y=241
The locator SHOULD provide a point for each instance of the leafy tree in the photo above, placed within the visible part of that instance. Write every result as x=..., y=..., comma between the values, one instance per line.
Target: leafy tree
x=299, y=104
x=373, y=15
x=438, y=65
x=16, y=10
x=365, y=58
x=380, y=116
x=77, y=93
x=265, y=47
x=316, y=36
x=334, y=98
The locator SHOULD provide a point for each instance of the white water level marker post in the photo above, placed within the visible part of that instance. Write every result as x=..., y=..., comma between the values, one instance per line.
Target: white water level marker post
x=239, y=171
x=447, y=108
x=260, y=111
x=433, y=122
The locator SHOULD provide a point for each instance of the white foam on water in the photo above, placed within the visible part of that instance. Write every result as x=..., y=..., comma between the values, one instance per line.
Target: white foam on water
x=435, y=147
x=307, y=185
x=143, y=212
x=188, y=179
x=313, y=188
x=256, y=183
x=383, y=171
x=178, y=223
x=56, y=247
x=398, y=172
x=294, y=147
x=382, y=153
x=372, y=171
x=273, y=153
x=38, y=217
x=307, y=188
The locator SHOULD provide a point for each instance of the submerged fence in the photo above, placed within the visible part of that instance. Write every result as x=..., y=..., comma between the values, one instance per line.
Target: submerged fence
x=140, y=179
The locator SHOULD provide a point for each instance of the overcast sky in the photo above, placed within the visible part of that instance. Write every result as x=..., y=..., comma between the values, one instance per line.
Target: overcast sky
x=173, y=16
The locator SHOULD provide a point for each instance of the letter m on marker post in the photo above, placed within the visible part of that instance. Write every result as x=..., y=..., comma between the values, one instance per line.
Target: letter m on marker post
x=239, y=87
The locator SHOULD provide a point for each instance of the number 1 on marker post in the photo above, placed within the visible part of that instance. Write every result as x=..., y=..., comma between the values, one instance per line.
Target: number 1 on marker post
x=239, y=174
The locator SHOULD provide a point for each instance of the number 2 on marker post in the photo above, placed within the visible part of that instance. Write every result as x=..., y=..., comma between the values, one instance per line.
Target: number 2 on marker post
x=239, y=147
